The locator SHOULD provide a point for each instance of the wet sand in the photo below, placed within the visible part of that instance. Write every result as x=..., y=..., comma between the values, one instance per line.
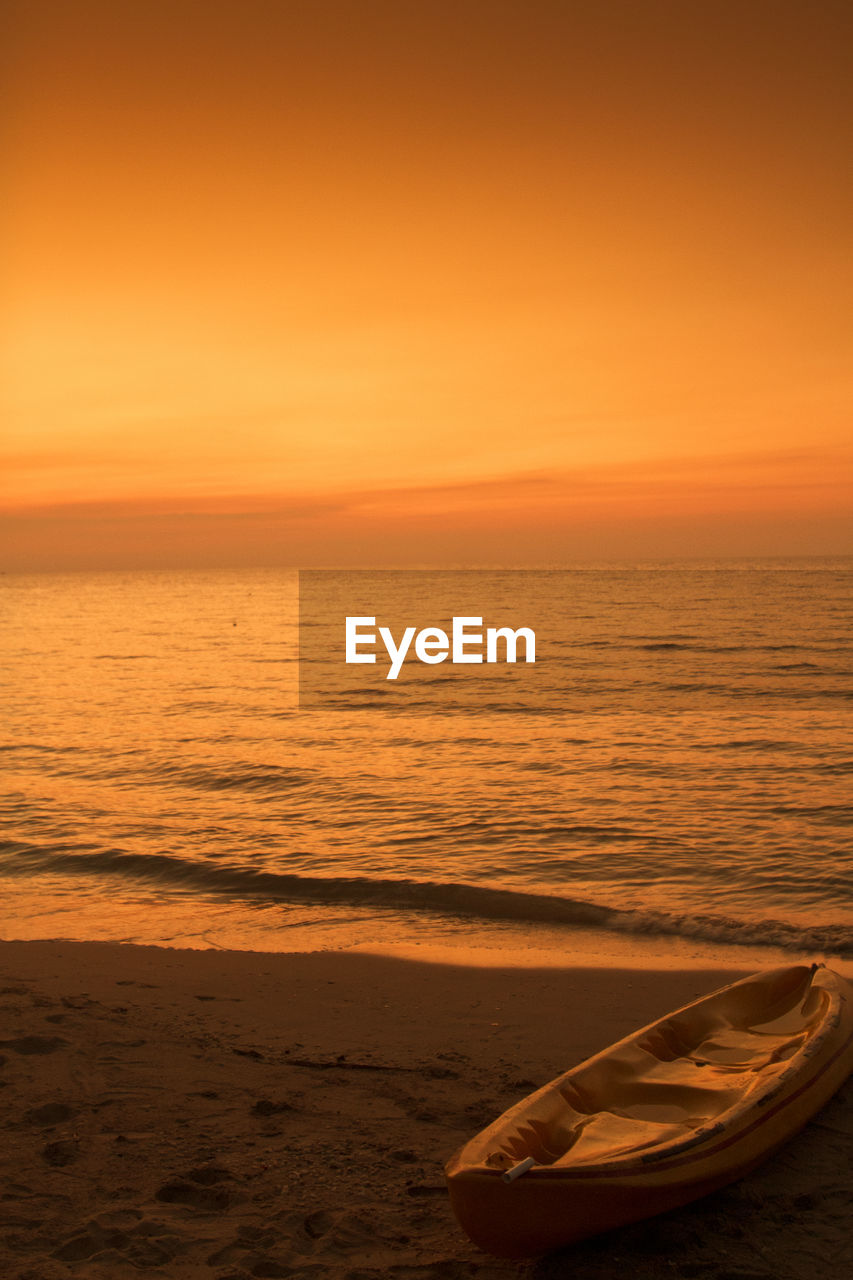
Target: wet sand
x=235, y=1114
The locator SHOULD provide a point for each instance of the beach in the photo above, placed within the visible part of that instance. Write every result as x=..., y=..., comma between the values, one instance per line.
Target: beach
x=228, y=1114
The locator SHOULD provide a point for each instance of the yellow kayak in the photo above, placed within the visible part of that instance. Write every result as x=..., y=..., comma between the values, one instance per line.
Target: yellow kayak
x=678, y=1109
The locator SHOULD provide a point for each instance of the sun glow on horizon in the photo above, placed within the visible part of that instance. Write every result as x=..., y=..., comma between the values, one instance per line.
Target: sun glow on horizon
x=592, y=263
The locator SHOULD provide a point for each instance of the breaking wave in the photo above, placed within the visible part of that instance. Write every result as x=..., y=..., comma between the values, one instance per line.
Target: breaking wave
x=476, y=902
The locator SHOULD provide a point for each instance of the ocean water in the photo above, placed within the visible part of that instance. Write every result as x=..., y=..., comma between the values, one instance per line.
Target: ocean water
x=691, y=784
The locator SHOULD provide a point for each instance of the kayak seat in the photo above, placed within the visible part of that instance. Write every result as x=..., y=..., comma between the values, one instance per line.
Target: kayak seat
x=728, y=1049
x=610, y=1133
x=634, y=1082
x=745, y=1051
x=725, y=1046
x=575, y=1137
x=546, y=1136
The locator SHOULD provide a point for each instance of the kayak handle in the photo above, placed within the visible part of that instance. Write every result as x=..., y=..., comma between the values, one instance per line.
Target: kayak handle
x=518, y=1169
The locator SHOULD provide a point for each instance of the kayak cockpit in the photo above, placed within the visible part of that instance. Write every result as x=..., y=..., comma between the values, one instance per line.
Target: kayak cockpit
x=669, y=1083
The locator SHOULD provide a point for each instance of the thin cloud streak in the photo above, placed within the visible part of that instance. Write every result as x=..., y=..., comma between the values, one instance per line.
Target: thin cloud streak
x=791, y=503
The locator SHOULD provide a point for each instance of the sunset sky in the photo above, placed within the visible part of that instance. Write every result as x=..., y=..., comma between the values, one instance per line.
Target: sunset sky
x=492, y=281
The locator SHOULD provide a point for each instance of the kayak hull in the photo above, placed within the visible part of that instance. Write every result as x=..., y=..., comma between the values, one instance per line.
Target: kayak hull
x=585, y=1190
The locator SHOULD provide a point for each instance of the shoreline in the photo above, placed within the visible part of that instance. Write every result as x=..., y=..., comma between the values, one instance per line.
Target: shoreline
x=208, y=1113
x=189, y=924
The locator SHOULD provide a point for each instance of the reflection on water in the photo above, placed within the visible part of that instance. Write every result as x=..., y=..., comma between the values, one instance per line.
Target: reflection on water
x=161, y=782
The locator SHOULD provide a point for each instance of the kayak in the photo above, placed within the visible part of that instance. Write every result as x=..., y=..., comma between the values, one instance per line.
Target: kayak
x=674, y=1111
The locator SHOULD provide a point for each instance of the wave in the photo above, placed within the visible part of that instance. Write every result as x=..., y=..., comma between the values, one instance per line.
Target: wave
x=125, y=657
x=471, y=901
x=842, y=814
x=263, y=777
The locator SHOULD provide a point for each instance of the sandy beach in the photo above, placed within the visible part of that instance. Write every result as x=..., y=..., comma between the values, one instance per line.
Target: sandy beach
x=237, y=1114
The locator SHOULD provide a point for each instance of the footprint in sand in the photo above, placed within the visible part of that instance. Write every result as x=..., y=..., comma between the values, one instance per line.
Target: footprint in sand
x=142, y=1244
x=29, y=1045
x=61, y=1153
x=195, y=1197
x=270, y=1269
x=93, y=1240
x=50, y=1114
x=266, y=1107
x=317, y=1224
x=200, y=1189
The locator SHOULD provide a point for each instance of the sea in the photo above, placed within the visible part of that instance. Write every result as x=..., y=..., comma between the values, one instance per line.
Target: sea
x=686, y=796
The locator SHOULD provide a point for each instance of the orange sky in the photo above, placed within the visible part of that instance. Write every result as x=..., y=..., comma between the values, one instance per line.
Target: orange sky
x=310, y=283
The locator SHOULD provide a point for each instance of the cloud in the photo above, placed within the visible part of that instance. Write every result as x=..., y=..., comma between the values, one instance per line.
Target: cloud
x=759, y=503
